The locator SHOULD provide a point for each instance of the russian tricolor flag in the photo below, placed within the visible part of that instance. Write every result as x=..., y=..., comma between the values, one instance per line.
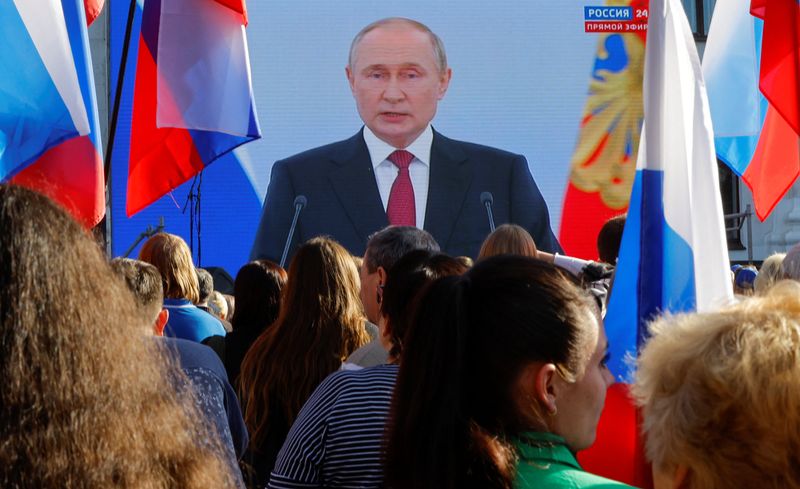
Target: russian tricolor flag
x=673, y=255
x=193, y=97
x=49, y=135
x=756, y=131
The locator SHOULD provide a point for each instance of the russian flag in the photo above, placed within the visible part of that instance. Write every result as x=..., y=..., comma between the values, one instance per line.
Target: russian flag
x=193, y=97
x=753, y=133
x=49, y=133
x=673, y=255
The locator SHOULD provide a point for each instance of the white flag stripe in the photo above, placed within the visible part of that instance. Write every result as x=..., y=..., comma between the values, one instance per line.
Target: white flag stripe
x=679, y=140
x=44, y=20
x=203, y=67
x=730, y=68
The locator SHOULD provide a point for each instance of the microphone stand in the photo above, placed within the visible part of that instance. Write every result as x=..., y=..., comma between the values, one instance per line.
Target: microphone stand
x=146, y=234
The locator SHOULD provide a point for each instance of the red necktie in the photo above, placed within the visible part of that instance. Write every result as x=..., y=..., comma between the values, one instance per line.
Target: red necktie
x=401, y=210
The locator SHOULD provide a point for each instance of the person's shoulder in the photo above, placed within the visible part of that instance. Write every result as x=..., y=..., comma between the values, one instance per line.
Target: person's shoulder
x=347, y=384
x=195, y=355
x=321, y=153
x=532, y=475
x=209, y=321
x=348, y=390
x=369, y=355
x=474, y=149
x=587, y=480
x=371, y=376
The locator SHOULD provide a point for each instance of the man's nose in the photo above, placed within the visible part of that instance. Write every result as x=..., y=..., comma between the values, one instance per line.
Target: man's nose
x=393, y=91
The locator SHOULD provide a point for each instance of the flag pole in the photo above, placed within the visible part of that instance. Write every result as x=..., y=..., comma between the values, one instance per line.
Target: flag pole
x=112, y=131
x=104, y=227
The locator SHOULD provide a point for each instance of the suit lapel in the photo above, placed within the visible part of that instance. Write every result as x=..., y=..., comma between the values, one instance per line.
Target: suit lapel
x=353, y=180
x=450, y=178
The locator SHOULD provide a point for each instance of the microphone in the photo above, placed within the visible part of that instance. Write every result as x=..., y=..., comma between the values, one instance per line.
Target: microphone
x=487, y=200
x=299, y=202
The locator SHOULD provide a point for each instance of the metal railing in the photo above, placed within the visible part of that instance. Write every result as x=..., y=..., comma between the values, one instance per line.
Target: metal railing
x=737, y=221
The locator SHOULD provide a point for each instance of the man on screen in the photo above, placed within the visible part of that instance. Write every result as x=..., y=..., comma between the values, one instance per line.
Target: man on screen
x=397, y=169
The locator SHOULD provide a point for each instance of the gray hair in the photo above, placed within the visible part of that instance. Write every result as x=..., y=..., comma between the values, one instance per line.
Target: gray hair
x=391, y=243
x=438, y=45
x=206, y=283
x=770, y=273
x=791, y=263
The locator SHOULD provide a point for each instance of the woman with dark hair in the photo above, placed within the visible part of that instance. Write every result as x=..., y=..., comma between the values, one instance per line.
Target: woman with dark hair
x=337, y=440
x=503, y=379
x=257, y=293
x=320, y=323
x=86, y=399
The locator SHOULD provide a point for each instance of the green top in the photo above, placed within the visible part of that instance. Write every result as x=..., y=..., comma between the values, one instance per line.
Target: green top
x=545, y=461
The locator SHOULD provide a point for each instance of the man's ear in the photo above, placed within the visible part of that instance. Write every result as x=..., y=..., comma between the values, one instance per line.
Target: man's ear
x=381, y=282
x=444, y=82
x=350, y=78
x=381, y=275
x=161, y=322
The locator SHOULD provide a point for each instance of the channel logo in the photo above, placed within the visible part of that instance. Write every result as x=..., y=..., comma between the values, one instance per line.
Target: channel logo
x=607, y=13
x=614, y=19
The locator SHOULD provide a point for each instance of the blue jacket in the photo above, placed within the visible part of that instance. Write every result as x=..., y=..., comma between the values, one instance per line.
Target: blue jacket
x=190, y=323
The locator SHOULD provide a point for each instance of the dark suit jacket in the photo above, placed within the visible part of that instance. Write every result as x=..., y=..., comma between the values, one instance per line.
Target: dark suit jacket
x=344, y=202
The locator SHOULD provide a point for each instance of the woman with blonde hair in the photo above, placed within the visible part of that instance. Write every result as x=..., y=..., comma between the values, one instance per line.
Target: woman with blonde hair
x=86, y=398
x=720, y=394
x=320, y=323
x=173, y=259
x=769, y=273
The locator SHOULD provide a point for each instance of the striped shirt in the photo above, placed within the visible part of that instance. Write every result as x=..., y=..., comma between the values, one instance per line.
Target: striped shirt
x=337, y=438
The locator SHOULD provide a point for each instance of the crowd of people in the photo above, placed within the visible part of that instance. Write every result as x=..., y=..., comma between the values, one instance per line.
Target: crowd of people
x=490, y=374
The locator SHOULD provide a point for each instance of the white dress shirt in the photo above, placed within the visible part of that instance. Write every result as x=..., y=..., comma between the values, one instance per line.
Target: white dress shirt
x=419, y=169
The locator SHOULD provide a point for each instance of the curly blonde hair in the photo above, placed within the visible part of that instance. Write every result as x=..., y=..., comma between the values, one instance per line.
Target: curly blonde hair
x=87, y=399
x=721, y=393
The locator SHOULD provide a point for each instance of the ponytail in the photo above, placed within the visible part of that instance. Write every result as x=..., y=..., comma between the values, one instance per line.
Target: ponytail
x=428, y=431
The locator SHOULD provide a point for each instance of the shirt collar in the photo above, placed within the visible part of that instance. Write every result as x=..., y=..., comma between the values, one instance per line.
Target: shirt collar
x=545, y=447
x=182, y=302
x=380, y=150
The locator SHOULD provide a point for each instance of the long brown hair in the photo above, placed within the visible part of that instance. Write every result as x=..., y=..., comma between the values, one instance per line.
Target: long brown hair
x=320, y=323
x=508, y=239
x=86, y=398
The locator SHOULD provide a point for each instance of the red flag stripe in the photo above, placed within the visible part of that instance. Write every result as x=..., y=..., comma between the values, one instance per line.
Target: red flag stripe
x=775, y=165
x=780, y=58
x=237, y=6
x=72, y=175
